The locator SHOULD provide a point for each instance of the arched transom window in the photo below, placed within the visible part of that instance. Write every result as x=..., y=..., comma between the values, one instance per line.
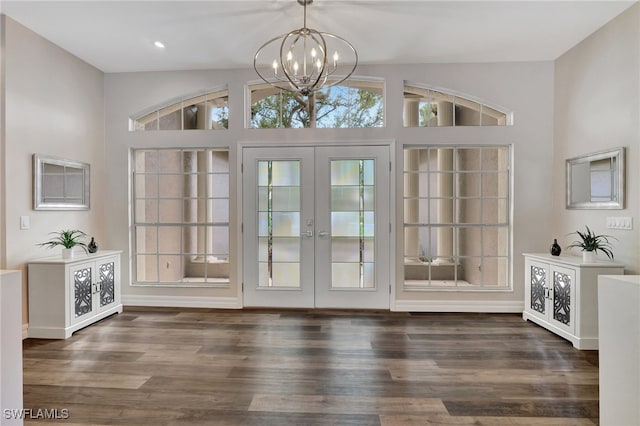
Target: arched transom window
x=205, y=111
x=430, y=107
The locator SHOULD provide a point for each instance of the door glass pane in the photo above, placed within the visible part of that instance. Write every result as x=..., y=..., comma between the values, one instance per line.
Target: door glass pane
x=286, y=249
x=343, y=275
x=348, y=250
x=286, y=198
x=352, y=223
x=286, y=274
x=286, y=224
x=279, y=223
x=347, y=198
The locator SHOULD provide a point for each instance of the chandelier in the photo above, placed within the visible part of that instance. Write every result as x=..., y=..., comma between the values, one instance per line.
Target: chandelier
x=305, y=60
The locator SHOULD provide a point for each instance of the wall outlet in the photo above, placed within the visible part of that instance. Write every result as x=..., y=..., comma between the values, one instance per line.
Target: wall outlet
x=620, y=222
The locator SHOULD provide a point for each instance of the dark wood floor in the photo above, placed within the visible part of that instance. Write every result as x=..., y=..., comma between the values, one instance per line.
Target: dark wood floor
x=154, y=366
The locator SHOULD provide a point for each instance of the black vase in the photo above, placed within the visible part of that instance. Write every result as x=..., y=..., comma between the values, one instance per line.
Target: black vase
x=92, y=247
x=555, y=248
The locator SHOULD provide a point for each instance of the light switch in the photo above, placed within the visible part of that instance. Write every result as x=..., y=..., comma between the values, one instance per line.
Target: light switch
x=25, y=222
x=620, y=222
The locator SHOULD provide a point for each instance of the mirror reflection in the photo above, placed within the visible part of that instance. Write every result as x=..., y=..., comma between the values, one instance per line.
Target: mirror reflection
x=596, y=181
x=60, y=184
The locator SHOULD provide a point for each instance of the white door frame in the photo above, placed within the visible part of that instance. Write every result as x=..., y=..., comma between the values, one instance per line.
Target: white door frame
x=300, y=295
x=393, y=185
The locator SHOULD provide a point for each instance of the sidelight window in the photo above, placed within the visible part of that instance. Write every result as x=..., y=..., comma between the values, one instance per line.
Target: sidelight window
x=457, y=217
x=181, y=216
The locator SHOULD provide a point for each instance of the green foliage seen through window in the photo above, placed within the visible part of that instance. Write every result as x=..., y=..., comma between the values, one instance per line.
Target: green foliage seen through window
x=334, y=107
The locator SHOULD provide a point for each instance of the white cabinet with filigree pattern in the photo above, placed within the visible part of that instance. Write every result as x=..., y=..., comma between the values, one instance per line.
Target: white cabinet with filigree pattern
x=66, y=295
x=561, y=294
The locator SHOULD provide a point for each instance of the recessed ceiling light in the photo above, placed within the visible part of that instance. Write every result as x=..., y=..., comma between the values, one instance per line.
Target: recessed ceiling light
x=158, y=44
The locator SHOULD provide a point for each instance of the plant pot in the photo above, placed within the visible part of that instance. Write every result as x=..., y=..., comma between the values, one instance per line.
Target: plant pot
x=589, y=256
x=67, y=253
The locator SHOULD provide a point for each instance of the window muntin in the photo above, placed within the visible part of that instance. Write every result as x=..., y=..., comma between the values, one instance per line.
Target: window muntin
x=428, y=107
x=353, y=104
x=181, y=216
x=207, y=111
x=456, y=217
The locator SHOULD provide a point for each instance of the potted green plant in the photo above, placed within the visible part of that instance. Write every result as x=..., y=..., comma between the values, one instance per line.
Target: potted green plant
x=590, y=243
x=68, y=239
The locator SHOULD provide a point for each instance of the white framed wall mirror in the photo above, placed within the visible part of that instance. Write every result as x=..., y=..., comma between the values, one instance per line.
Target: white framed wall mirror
x=596, y=181
x=60, y=184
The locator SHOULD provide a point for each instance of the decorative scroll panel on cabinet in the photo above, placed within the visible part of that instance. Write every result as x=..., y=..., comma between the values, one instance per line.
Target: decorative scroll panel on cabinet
x=561, y=295
x=66, y=295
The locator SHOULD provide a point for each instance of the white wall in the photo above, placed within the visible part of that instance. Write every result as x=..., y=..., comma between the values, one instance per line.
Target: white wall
x=54, y=104
x=525, y=88
x=597, y=106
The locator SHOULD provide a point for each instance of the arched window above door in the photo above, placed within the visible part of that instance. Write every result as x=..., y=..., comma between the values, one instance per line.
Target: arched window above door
x=426, y=106
x=358, y=102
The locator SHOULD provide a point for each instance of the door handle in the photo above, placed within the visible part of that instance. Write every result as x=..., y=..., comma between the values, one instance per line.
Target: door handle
x=308, y=234
x=323, y=234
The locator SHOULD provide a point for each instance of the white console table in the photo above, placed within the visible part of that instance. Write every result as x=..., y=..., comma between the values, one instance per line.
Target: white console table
x=11, y=346
x=619, y=323
x=561, y=295
x=66, y=295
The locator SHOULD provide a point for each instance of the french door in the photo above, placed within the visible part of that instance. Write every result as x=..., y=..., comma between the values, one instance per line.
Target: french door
x=316, y=227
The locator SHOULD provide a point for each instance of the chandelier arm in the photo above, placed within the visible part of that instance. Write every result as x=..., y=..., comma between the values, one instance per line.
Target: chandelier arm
x=321, y=72
x=265, y=78
x=285, y=71
x=355, y=54
x=322, y=44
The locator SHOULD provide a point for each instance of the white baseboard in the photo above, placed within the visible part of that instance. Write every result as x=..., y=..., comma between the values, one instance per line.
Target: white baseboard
x=489, y=306
x=183, y=301
x=399, y=305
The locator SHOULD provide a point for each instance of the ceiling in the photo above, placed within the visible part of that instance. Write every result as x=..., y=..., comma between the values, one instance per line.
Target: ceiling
x=118, y=36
